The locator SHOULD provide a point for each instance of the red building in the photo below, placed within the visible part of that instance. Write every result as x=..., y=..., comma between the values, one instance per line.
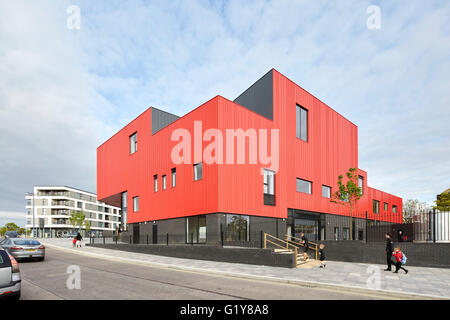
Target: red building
x=218, y=188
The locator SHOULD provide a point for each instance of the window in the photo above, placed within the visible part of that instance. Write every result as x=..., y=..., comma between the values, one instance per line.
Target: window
x=386, y=207
x=100, y=217
x=196, y=229
x=135, y=204
x=164, y=185
x=155, y=182
x=124, y=210
x=346, y=233
x=326, y=192
x=174, y=177
x=361, y=183
x=376, y=206
x=269, y=182
x=269, y=187
x=394, y=209
x=133, y=143
x=237, y=227
x=304, y=186
x=336, y=233
x=198, y=171
x=302, y=123
x=79, y=205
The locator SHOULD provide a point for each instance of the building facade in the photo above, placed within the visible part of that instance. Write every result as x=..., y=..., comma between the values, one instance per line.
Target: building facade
x=49, y=208
x=266, y=162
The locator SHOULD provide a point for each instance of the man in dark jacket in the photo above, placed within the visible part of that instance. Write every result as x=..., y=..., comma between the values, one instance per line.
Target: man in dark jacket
x=389, y=251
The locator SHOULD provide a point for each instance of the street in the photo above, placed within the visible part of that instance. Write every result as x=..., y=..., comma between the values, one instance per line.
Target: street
x=105, y=279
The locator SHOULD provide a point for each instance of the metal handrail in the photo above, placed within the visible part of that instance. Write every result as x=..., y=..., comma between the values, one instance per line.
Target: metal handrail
x=316, y=246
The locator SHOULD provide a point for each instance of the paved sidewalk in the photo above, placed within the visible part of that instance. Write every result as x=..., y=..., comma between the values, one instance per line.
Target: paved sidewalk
x=420, y=282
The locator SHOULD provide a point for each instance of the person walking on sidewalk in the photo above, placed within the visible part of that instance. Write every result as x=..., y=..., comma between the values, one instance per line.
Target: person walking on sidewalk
x=304, y=241
x=79, y=238
x=322, y=256
x=398, y=254
x=389, y=251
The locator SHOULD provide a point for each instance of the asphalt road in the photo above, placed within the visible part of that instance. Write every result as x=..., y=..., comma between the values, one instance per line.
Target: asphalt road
x=105, y=279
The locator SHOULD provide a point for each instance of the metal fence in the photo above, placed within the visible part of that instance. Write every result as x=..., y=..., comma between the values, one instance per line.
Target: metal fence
x=419, y=226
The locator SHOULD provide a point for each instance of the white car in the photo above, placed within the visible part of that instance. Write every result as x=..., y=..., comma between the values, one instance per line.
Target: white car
x=10, y=280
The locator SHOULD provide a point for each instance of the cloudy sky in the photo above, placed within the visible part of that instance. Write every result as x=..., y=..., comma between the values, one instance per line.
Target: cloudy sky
x=64, y=91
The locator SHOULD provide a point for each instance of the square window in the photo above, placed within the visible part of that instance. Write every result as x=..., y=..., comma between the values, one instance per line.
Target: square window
x=304, y=186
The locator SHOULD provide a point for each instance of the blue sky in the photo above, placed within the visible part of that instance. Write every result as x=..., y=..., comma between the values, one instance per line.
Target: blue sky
x=63, y=92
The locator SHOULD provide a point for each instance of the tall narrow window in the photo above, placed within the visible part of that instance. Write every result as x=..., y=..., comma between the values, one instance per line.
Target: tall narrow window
x=155, y=182
x=302, y=123
x=174, y=177
x=394, y=209
x=304, y=186
x=164, y=185
x=361, y=183
x=386, y=206
x=198, y=171
x=269, y=187
x=376, y=206
x=133, y=143
x=135, y=204
x=124, y=210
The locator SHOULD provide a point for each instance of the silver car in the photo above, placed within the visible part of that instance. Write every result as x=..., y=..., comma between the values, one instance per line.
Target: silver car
x=10, y=280
x=21, y=248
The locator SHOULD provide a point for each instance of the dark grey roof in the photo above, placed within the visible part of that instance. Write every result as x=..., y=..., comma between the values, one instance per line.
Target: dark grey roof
x=259, y=97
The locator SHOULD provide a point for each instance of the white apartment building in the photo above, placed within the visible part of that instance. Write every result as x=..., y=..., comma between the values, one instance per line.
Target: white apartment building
x=49, y=208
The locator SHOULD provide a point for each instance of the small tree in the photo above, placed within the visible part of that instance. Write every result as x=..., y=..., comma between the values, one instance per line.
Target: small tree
x=10, y=226
x=78, y=220
x=443, y=201
x=409, y=209
x=348, y=194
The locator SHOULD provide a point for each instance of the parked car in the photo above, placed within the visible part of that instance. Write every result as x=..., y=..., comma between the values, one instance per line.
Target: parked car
x=11, y=234
x=21, y=248
x=10, y=280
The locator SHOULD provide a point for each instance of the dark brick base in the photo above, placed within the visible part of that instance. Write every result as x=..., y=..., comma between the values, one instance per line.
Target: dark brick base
x=418, y=254
x=212, y=253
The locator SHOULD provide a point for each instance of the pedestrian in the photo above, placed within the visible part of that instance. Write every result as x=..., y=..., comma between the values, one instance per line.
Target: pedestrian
x=304, y=241
x=79, y=238
x=389, y=251
x=400, y=259
x=322, y=256
x=74, y=241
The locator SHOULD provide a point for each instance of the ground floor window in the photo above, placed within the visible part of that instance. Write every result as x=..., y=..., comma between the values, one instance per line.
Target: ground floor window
x=308, y=227
x=346, y=233
x=196, y=229
x=336, y=233
x=238, y=227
